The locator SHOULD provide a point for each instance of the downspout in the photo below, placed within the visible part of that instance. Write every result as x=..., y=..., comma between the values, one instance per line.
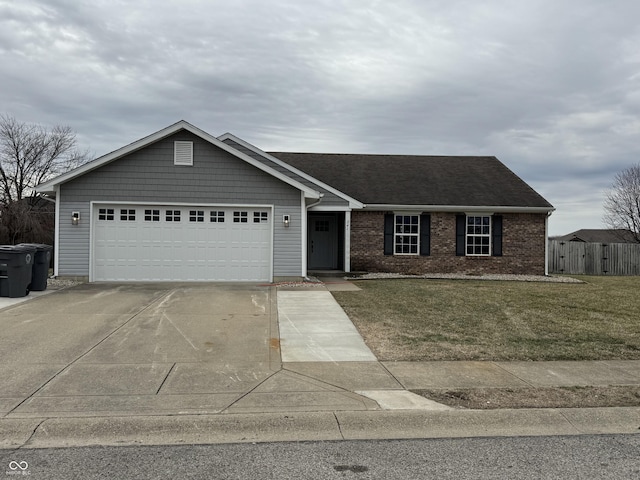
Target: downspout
x=546, y=244
x=56, y=237
x=44, y=197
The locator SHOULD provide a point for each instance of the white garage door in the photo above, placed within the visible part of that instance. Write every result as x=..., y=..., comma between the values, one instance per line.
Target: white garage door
x=181, y=243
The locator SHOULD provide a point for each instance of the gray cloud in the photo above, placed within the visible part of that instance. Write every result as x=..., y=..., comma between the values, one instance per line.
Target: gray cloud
x=551, y=88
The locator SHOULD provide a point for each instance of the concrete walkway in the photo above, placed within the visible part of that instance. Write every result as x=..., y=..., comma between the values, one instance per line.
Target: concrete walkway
x=314, y=328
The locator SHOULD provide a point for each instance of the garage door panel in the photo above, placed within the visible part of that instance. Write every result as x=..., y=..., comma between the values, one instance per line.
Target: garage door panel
x=169, y=243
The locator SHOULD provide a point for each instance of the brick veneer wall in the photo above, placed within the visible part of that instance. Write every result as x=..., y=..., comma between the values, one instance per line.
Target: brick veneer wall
x=523, y=245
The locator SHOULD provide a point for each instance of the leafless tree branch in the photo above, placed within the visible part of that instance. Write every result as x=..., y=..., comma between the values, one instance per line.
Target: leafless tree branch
x=29, y=155
x=622, y=202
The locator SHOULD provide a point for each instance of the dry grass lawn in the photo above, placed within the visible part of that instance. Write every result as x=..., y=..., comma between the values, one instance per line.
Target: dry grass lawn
x=547, y=397
x=420, y=319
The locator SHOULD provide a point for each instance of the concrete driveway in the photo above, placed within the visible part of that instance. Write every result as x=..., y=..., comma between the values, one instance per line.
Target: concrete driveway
x=152, y=349
x=134, y=348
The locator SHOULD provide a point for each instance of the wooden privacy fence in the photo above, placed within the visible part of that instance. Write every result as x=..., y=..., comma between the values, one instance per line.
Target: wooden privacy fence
x=581, y=258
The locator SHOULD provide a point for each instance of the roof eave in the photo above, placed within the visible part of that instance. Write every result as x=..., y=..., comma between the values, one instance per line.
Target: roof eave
x=460, y=208
x=49, y=187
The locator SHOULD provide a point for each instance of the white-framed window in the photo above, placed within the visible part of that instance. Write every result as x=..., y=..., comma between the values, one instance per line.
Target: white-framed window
x=172, y=215
x=151, y=215
x=260, y=217
x=196, y=216
x=240, y=217
x=407, y=234
x=127, y=215
x=216, y=216
x=105, y=214
x=478, y=235
x=183, y=153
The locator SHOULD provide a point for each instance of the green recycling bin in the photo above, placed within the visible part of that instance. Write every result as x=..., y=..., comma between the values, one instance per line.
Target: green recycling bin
x=15, y=270
x=40, y=269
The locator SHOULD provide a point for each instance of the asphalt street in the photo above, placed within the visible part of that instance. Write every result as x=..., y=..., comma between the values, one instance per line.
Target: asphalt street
x=557, y=457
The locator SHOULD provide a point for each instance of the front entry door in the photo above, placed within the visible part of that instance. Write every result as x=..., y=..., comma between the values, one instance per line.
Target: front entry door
x=322, y=248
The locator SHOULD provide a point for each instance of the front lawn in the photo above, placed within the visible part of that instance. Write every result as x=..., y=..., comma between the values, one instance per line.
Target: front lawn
x=421, y=319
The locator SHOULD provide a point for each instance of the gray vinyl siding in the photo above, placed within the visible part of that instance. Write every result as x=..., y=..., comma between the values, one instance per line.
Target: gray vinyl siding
x=149, y=175
x=73, y=247
x=329, y=199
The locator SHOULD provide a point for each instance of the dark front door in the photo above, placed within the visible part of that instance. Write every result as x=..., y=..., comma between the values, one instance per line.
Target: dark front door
x=322, y=248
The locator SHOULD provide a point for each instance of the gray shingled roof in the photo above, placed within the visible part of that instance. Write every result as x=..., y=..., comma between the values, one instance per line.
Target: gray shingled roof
x=418, y=180
x=594, y=235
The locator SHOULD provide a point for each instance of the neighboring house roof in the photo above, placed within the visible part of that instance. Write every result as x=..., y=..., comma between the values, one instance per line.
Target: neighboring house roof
x=49, y=187
x=598, y=236
x=420, y=180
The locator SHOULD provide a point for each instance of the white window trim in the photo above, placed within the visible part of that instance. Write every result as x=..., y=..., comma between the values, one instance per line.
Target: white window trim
x=467, y=235
x=183, y=153
x=396, y=234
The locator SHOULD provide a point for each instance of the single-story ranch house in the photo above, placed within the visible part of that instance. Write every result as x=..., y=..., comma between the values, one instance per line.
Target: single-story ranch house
x=183, y=205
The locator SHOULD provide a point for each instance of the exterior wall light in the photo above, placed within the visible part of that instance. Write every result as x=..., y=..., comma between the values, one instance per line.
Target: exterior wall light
x=75, y=218
x=286, y=220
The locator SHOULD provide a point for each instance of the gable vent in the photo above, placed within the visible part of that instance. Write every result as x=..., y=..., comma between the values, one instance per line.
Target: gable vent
x=183, y=153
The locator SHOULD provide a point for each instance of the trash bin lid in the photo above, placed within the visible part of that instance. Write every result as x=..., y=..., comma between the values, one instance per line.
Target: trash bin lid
x=25, y=247
x=38, y=246
x=12, y=249
x=27, y=251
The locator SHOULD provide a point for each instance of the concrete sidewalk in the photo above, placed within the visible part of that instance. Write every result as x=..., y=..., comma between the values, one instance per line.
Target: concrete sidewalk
x=456, y=375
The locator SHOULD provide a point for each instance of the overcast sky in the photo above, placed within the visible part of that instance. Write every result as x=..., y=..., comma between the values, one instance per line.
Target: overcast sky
x=552, y=88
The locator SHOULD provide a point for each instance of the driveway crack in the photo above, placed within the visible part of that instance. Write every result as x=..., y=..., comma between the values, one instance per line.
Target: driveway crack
x=248, y=392
x=33, y=433
x=338, y=424
x=165, y=378
x=73, y=362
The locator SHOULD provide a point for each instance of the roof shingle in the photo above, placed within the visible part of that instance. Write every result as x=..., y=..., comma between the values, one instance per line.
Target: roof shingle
x=418, y=180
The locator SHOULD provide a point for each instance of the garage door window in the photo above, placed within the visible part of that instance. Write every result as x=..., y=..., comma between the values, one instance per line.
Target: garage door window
x=152, y=215
x=240, y=217
x=196, y=215
x=217, y=217
x=105, y=214
x=172, y=215
x=127, y=215
x=260, y=217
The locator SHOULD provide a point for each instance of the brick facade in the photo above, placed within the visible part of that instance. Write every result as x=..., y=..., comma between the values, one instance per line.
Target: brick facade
x=523, y=247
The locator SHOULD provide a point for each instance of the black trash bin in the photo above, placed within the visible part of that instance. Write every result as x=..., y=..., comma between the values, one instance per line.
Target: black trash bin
x=40, y=270
x=15, y=270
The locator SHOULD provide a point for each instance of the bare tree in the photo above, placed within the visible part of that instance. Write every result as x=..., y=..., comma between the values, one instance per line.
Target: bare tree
x=29, y=155
x=622, y=202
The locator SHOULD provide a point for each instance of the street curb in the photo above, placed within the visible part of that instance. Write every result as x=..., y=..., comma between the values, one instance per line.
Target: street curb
x=315, y=426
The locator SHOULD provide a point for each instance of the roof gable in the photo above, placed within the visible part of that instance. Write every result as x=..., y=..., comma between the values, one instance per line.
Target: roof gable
x=50, y=185
x=419, y=180
x=353, y=203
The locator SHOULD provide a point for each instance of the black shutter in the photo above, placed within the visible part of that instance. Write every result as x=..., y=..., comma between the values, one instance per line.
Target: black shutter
x=425, y=234
x=496, y=234
x=461, y=226
x=388, y=233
